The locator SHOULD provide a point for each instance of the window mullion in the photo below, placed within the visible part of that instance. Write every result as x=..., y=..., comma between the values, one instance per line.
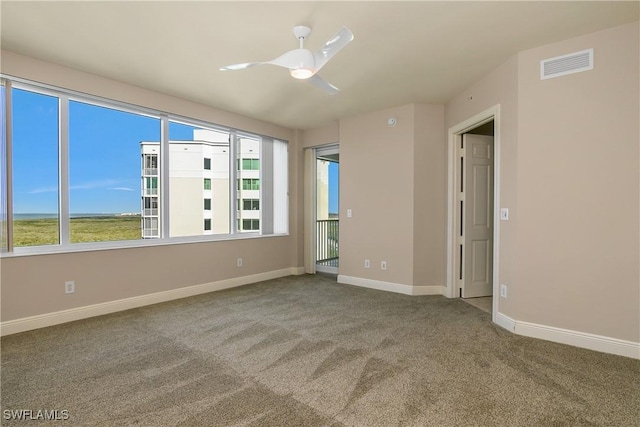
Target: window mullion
x=234, y=188
x=8, y=163
x=164, y=179
x=63, y=172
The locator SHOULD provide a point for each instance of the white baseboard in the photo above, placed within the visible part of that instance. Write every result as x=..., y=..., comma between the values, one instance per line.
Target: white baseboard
x=504, y=321
x=580, y=339
x=58, y=317
x=569, y=337
x=297, y=271
x=390, y=286
x=429, y=290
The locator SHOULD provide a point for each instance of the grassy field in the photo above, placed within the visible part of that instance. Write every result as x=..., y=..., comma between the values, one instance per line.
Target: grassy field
x=35, y=232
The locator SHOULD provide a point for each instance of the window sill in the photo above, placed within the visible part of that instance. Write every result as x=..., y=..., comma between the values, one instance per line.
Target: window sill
x=124, y=244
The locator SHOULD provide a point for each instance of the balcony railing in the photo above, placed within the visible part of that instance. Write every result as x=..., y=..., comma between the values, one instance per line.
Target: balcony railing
x=327, y=237
x=150, y=233
x=150, y=191
x=150, y=212
x=150, y=171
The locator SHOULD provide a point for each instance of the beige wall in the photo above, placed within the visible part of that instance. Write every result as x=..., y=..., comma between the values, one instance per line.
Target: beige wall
x=498, y=87
x=33, y=285
x=329, y=134
x=376, y=183
x=569, y=166
x=429, y=196
x=578, y=185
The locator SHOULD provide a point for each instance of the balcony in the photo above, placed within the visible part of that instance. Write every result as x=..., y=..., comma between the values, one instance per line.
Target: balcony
x=150, y=233
x=150, y=212
x=150, y=171
x=150, y=191
x=327, y=237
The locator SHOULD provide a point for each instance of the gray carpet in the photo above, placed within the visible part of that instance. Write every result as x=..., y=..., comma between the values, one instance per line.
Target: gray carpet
x=306, y=351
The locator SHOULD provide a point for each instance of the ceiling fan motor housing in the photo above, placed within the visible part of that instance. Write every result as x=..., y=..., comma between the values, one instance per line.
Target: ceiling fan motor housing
x=301, y=32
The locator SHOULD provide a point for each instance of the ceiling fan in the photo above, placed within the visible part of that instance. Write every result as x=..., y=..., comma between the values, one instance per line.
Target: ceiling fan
x=302, y=63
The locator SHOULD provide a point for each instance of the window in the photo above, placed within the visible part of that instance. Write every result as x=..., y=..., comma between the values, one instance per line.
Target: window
x=36, y=188
x=250, y=224
x=150, y=228
x=251, y=164
x=250, y=184
x=151, y=186
x=92, y=171
x=3, y=160
x=150, y=164
x=250, y=205
x=150, y=206
x=104, y=172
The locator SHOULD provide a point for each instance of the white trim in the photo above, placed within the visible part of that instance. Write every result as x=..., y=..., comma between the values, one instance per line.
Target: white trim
x=390, y=286
x=579, y=339
x=574, y=338
x=297, y=271
x=492, y=113
x=505, y=322
x=326, y=269
x=429, y=290
x=58, y=317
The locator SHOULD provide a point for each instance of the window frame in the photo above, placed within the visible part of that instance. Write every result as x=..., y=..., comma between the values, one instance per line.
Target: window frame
x=65, y=246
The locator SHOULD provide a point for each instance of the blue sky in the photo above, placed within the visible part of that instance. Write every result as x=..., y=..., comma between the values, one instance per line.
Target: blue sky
x=104, y=156
x=334, y=174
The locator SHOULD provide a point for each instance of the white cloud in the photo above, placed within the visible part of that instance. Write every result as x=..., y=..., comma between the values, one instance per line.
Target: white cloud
x=121, y=188
x=44, y=190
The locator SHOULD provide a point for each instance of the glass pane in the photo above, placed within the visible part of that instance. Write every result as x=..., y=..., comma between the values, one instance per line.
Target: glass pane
x=280, y=187
x=3, y=165
x=198, y=170
x=105, y=149
x=35, y=168
x=248, y=150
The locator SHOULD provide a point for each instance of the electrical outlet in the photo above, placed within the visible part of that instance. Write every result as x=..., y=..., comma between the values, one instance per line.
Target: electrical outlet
x=383, y=265
x=69, y=287
x=367, y=263
x=503, y=291
x=239, y=262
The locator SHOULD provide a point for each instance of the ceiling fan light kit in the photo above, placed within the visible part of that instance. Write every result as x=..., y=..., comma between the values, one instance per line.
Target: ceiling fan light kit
x=302, y=63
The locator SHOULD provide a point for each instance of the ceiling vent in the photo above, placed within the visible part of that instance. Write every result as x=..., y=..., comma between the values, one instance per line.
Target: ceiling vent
x=566, y=64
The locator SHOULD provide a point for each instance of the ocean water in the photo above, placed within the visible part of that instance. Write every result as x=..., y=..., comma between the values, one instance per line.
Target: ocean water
x=55, y=215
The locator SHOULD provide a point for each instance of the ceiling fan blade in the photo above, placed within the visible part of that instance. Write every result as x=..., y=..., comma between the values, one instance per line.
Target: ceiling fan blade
x=241, y=66
x=318, y=81
x=293, y=59
x=333, y=46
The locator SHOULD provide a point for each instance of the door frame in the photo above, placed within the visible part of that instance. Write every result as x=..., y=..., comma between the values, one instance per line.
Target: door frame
x=454, y=136
x=310, y=203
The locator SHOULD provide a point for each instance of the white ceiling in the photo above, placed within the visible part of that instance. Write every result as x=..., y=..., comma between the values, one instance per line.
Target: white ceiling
x=403, y=52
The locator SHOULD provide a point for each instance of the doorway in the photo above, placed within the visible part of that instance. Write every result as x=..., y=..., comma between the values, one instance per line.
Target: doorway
x=327, y=221
x=473, y=228
x=475, y=266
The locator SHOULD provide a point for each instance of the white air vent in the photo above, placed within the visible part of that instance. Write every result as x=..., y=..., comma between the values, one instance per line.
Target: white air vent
x=566, y=64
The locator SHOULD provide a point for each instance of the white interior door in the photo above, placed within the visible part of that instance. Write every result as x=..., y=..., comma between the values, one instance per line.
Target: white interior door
x=478, y=216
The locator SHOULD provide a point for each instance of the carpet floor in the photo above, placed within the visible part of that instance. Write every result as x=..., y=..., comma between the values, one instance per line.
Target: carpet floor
x=307, y=351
